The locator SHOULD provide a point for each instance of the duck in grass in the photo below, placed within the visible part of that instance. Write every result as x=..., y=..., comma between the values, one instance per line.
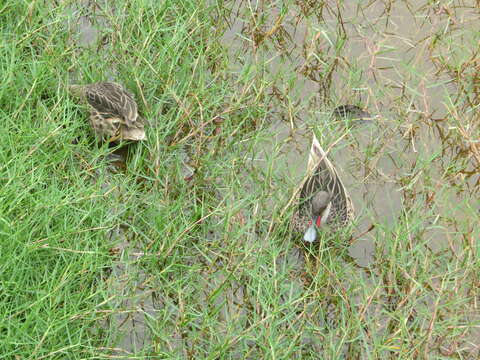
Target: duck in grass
x=323, y=200
x=113, y=111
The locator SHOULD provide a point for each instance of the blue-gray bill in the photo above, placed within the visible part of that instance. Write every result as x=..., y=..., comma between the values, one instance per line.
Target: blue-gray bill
x=311, y=234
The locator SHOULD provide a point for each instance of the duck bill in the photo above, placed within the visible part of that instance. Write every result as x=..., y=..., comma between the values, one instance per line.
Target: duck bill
x=134, y=134
x=311, y=234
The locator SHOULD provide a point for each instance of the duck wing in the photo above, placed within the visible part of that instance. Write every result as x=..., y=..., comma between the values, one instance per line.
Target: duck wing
x=112, y=100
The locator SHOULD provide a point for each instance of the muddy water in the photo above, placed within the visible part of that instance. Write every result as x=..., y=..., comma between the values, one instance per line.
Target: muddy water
x=382, y=45
x=387, y=49
x=387, y=65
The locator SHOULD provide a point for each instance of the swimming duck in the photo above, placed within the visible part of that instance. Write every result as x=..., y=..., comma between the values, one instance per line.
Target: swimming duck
x=113, y=111
x=323, y=201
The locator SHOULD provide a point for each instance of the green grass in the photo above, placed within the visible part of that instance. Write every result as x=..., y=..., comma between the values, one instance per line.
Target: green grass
x=207, y=266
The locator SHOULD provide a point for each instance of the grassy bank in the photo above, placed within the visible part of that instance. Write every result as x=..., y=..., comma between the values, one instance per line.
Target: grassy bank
x=185, y=250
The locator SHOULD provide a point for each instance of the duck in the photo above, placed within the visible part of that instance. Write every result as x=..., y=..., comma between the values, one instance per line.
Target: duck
x=113, y=111
x=323, y=201
x=353, y=113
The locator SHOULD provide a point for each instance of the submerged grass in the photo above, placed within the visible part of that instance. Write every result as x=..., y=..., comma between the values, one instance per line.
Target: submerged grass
x=150, y=261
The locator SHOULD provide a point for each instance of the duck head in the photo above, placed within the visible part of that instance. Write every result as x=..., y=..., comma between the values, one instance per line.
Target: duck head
x=320, y=205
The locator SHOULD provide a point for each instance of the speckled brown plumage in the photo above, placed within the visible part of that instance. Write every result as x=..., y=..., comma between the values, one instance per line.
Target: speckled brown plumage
x=113, y=111
x=322, y=177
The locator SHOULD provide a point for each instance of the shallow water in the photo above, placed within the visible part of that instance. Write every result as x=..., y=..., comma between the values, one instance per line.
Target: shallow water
x=396, y=79
x=382, y=45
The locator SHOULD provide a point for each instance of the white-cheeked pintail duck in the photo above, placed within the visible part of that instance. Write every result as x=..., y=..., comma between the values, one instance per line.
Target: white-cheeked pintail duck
x=323, y=200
